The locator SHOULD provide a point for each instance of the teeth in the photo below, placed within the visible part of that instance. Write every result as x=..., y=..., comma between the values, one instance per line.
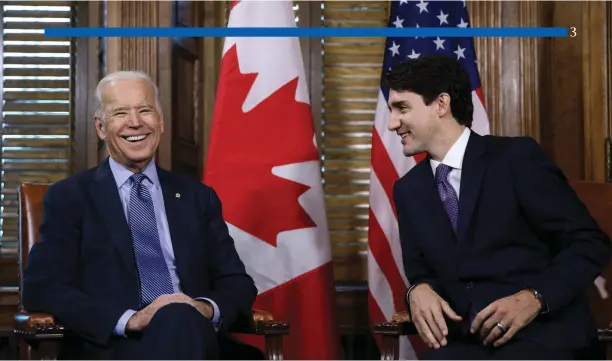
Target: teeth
x=135, y=138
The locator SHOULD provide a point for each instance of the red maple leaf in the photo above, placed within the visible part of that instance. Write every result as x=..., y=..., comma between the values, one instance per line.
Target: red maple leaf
x=244, y=147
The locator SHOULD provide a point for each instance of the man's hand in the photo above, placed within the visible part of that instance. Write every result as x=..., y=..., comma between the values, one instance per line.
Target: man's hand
x=140, y=320
x=513, y=313
x=427, y=309
x=205, y=308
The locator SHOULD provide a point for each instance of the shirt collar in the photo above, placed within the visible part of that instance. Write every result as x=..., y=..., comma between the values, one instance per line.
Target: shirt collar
x=122, y=174
x=454, y=157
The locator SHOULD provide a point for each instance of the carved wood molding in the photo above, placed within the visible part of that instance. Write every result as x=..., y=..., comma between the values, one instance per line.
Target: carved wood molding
x=529, y=74
x=508, y=67
x=133, y=53
x=488, y=13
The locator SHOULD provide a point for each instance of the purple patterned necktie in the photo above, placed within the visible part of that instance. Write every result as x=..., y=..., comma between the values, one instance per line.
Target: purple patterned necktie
x=152, y=269
x=447, y=194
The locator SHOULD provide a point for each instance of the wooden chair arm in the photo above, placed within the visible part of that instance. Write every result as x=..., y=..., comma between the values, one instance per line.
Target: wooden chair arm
x=399, y=325
x=37, y=326
x=605, y=335
x=273, y=331
x=43, y=327
x=265, y=324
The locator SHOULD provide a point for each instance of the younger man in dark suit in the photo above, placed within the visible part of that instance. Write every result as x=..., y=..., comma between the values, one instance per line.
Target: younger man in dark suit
x=496, y=245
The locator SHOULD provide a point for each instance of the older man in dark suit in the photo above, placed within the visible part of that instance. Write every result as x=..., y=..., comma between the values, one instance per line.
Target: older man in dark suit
x=136, y=261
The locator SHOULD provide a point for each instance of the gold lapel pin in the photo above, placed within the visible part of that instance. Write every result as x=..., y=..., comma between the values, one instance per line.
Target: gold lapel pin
x=178, y=195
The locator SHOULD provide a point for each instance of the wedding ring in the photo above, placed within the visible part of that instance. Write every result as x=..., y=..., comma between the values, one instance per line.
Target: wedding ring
x=501, y=328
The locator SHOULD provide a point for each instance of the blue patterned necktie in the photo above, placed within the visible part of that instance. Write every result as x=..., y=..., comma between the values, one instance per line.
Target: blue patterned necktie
x=152, y=269
x=447, y=194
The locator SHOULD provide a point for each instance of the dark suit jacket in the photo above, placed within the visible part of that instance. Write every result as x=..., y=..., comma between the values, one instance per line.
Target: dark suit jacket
x=83, y=270
x=520, y=225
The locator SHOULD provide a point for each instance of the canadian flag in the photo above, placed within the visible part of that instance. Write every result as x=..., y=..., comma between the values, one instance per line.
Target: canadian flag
x=263, y=163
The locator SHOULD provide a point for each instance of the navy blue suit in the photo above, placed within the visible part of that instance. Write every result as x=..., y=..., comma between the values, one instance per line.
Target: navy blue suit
x=520, y=225
x=83, y=269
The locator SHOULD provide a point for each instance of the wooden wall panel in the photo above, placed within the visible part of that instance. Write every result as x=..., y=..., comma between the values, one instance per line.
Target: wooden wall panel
x=87, y=74
x=508, y=67
x=552, y=89
x=562, y=92
x=215, y=13
x=150, y=55
x=595, y=41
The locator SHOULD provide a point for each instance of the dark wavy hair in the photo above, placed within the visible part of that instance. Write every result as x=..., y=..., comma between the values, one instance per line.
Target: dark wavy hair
x=431, y=76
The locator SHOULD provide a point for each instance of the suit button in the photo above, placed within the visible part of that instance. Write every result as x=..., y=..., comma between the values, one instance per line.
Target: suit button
x=469, y=286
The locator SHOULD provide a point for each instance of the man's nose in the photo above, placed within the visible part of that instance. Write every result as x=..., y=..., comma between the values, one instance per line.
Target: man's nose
x=394, y=122
x=134, y=119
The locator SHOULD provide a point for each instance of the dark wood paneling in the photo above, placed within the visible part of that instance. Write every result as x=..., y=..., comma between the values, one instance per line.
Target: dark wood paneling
x=9, y=301
x=87, y=74
x=9, y=274
x=352, y=314
x=187, y=94
x=561, y=91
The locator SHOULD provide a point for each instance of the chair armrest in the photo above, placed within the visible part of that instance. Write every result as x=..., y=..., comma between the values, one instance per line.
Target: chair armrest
x=38, y=326
x=605, y=335
x=265, y=324
x=400, y=325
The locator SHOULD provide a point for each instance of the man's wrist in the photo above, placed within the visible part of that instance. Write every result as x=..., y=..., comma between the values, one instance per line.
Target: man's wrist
x=133, y=324
x=209, y=309
x=412, y=288
x=538, y=296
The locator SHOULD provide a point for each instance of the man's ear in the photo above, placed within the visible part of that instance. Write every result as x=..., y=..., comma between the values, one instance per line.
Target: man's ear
x=443, y=102
x=100, y=129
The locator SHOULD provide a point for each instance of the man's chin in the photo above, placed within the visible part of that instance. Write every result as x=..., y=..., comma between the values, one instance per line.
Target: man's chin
x=411, y=152
x=134, y=160
x=140, y=161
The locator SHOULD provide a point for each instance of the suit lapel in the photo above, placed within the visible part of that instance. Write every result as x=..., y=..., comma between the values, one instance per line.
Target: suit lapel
x=175, y=207
x=472, y=173
x=108, y=202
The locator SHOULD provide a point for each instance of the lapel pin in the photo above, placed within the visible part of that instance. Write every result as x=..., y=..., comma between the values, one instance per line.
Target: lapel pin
x=178, y=195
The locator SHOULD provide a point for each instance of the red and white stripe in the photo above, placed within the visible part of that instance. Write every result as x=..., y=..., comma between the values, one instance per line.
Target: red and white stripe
x=386, y=279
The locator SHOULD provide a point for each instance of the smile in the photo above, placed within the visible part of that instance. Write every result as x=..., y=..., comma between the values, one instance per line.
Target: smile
x=134, y=138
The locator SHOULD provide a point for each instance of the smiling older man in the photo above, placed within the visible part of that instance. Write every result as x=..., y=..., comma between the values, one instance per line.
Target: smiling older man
x=136, y=261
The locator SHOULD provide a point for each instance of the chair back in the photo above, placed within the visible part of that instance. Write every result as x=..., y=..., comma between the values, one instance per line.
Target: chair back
x=597, y=197
x=31, y=197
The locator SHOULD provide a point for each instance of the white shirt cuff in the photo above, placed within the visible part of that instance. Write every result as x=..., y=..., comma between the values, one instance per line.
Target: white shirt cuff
x=122, y=323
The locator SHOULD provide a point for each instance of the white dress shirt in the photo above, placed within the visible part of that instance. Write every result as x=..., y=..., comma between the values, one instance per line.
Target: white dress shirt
x=454, y=159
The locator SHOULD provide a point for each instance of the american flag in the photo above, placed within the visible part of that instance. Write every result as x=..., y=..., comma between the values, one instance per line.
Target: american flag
x=386, y=278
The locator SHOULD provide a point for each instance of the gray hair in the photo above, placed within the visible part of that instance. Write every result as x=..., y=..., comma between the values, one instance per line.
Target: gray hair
x=114, y=77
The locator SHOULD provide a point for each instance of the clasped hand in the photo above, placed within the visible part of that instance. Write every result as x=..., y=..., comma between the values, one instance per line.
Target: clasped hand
x=513, y=313
x=140, y=320
x=428, y=309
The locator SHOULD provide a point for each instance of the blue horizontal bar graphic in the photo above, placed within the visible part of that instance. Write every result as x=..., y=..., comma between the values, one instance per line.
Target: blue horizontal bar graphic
x=305, y=32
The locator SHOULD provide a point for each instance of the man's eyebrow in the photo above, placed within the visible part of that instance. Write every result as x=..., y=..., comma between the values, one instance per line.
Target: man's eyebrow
x=399, y=104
